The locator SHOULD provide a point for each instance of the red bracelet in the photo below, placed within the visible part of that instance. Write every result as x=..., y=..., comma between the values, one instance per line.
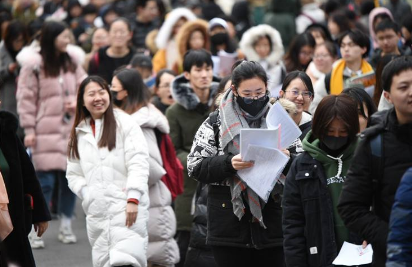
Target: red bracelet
x=133, y=200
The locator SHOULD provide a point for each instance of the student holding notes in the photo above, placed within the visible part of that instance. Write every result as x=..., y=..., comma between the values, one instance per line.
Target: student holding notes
x=313, y=230
x=243, y=230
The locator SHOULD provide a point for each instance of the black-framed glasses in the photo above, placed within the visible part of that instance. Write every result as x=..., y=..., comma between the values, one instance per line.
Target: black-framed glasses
x=260, y=98
x=296, y=93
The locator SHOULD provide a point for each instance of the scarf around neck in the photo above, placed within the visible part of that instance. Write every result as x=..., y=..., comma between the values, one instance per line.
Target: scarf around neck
x=336, y=82
x=233, y=119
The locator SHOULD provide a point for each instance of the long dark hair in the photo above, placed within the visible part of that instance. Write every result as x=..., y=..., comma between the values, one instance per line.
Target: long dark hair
x=292, y=57
x=108, y=138
x=138, y=95
x=13, y=31
x=52, y=60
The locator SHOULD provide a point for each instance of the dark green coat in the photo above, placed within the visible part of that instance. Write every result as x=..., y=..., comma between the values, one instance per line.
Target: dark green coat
x=185, y=118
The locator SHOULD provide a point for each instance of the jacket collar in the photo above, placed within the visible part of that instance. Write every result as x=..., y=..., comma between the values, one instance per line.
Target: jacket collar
x=184, y=95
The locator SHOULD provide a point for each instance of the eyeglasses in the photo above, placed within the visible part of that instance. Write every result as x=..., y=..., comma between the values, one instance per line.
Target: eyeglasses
x=260, y=98
x=167, y=85
x=321, y=56
x=296, y=93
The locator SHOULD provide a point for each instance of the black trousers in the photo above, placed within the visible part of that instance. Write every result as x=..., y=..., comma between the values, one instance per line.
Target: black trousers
x=246, y=257
x=182, y=239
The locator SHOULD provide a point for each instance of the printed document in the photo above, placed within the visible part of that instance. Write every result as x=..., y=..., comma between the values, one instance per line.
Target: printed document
x=353, y=255
x=261, y=137
x=289, y=131
x=269, y=164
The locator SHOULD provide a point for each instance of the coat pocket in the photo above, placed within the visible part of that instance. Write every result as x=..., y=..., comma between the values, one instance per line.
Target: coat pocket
x=222, y=222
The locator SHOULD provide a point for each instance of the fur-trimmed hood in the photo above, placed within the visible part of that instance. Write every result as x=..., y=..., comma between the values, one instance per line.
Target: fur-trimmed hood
x=30, y=55
x=184, y=95
x=165, y=31
x=253, y=34
x=187, y=29
x=8, y=121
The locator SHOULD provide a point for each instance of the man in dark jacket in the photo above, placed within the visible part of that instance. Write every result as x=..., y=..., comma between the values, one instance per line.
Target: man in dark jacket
x=383, y=155
x=193, y=92
x=388, y=35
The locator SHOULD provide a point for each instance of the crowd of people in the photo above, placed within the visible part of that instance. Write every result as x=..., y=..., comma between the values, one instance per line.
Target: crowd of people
x=135, y=108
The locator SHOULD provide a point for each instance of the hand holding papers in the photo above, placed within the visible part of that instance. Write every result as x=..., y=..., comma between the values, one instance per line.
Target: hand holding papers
x=269, y=164
x=263, y=147
x=351, y=255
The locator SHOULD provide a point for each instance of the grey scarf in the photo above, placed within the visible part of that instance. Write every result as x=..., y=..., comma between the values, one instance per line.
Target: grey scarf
x=233, y=119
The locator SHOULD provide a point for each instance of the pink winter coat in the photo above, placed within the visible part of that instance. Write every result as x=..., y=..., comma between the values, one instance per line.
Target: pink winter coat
x=40, y=103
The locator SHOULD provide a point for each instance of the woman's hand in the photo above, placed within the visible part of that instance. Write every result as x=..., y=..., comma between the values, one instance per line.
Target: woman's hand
x=131, y=213
x=238, y=164
x=286, y=152
x=40, y=228
x=30, y=140
x=364, y=244
x=70, y=106
x=12, y=67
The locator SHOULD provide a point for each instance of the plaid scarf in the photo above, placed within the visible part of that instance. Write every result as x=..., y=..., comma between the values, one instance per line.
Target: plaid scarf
x=233, y=119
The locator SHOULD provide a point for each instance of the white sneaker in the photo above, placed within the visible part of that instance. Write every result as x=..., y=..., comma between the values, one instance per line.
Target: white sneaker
x=66, y=236
x=35, y=241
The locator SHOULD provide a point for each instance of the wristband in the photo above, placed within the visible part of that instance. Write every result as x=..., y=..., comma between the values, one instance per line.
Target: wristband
x=133, y=200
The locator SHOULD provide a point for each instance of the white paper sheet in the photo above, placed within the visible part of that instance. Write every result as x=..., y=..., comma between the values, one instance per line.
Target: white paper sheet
x=289, y=131
x=353, y=255
x=260, y=137
x=269, y=164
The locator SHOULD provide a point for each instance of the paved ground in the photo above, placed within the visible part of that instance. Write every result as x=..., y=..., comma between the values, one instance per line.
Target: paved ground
x=57, y=254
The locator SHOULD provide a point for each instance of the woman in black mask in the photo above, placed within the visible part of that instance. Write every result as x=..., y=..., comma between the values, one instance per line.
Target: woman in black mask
x=242, y=229
x=312, y=227
x=220, y=41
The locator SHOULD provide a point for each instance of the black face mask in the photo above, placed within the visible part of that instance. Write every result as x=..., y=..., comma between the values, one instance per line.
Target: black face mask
x=254, y=107
x=219, y=38
x=116, y=102
x=335, y=143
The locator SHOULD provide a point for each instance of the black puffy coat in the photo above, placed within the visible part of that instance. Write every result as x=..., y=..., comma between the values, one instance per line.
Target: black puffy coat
x=21, y=181
x=360, y=192
x=199, y=254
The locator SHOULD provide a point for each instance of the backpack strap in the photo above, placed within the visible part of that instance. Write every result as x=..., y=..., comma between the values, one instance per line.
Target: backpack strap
x=376, y=145
x=213, y=122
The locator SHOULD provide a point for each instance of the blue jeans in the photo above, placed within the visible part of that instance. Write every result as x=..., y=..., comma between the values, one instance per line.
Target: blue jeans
x=67, y=199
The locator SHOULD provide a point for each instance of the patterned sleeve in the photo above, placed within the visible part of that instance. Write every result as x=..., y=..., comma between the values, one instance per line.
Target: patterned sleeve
x=203, y=146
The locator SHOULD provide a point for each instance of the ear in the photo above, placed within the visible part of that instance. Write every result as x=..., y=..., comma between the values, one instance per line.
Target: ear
x=281, y=93
x=187, y=75
x=232, y=87
x=387, y=95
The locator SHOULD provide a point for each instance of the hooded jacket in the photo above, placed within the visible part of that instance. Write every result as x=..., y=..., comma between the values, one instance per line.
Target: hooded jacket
x=40, y=102
x=272, y=64
x=183, y=37
x=167, y=54
x=376, y=11
x=104, y=180
x=311, y=224
x=162, y=249
x=185, y=116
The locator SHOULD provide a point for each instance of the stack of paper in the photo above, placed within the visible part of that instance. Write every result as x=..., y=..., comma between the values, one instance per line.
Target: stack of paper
x=263, y=147
x=354, y=255
x=269, y=164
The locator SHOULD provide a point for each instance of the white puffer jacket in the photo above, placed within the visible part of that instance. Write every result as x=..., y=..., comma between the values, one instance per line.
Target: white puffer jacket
x=104, y=180
x=163, y=249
